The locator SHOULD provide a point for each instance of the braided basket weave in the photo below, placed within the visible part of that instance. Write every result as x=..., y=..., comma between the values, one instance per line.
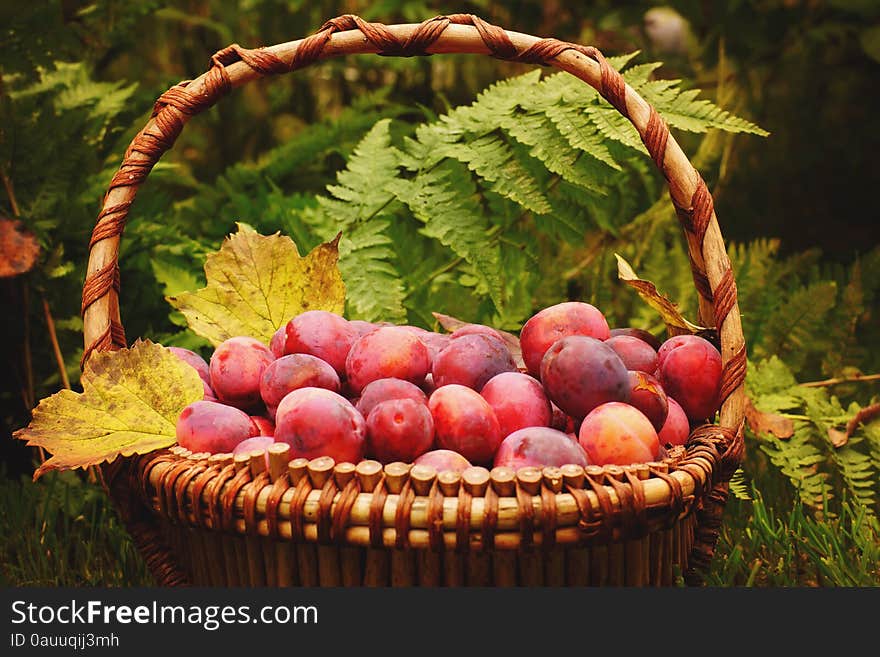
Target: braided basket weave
x=212, y=520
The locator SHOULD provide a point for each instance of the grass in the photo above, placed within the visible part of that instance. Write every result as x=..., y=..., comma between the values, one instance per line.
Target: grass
x=62, y=531
x=761, y=545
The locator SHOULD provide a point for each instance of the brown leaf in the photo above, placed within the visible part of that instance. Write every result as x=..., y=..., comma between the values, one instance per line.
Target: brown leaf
x=839, y=438
x=675, y=321
x=512, y=341
x=19, y=248
x=761, y=422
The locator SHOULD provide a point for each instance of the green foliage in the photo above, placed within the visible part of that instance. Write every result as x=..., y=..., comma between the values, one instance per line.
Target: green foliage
x=63, y=531
x=539, y=149
x=761, y=545
x=815, y=466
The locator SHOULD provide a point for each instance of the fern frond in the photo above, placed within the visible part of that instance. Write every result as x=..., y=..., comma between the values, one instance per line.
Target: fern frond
x=739, y=486
x=859, y=473
x=495, y=162
x=798, y=458
x=360, y=192
x=683, y=109
x=550, y=146
x=613, y=125
x=374, y=284
x=444, y=200
x=796, y=324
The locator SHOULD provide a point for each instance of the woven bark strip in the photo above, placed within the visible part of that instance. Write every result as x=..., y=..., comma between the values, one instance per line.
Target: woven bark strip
x=592, y=515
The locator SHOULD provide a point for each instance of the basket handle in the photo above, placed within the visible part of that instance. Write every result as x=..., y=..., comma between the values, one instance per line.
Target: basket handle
x=234, y=66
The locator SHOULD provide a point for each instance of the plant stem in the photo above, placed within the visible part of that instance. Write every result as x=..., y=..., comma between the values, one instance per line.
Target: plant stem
x=10, y=193
x=841, y=379
x=59, y=359
x=437, y=272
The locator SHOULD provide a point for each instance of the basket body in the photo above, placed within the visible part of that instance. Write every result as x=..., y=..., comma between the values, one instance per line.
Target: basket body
x=200, y=519
x=211, y=558
x=237, y=524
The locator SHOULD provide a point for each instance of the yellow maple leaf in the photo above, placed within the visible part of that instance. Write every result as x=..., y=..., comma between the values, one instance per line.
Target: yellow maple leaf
x=129, y=405
x=256, y=283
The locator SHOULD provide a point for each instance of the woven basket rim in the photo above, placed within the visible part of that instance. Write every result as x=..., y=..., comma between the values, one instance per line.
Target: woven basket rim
x=242, y=496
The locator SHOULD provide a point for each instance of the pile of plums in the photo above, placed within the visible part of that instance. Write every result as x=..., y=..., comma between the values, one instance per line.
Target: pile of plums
x=572, y=391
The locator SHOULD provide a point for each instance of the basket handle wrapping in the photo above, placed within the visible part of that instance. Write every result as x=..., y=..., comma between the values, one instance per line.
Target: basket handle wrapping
x=234, y=66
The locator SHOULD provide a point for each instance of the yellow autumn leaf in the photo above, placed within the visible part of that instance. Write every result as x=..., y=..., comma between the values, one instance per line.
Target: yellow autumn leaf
x=256, y=283
x=130, y=402
x=648, y=291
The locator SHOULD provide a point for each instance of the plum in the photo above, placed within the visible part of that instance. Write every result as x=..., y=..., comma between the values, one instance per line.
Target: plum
x=647, y=395
x=362, y=327
x=636, y=354
x=518, y=400
x=387, y=352
x=382, y=390
x=249, y=445
x=399, y=430
x=690, y=371
x=206, y=426
x=434, y=342
x=579, y=373
x=641, y=334
x=471, y=360
x=619, y=434
x=237, y=365
x=276, y=344
x=465, y=422
x=475, y=329
x=539, y=446
x=195, y=361
x=556, y=322
x=323, y=334
x=676, y=429
x=265, y=426
x=319, y=422
x=292, y=372
x=443, y=460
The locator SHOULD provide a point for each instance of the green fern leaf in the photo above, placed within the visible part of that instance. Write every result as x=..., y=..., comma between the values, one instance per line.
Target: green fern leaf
x=684, y=110
x=637, y=76
x=444, y=199
x=360, y=192
x=739, y=486
x=550, y=147
x=495, y=162
x=794, y=327
x=374, y=284
x=613, y=125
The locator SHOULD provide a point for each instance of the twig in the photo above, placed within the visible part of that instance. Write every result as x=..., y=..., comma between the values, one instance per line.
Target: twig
x=59, y=359
x=841, y=379
x=10, y=193
x=26, y=355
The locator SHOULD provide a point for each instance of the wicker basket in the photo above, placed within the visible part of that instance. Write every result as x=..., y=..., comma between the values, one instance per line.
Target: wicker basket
x=212, y=520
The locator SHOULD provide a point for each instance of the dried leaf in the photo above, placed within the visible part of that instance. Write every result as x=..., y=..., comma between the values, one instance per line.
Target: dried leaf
x=839, y=438
x=452, y=323
x=256, y=283
x=648, y=291
x=18, y=248
x=129, y=405
x=761, y=422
